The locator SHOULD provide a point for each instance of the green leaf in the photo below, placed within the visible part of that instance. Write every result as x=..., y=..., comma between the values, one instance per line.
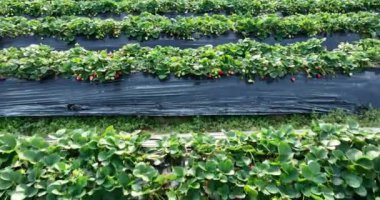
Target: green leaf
x=311, y=171
x=314, y=167
x=337, y=181
x=145, y=172
x=361, y=191
x=38, y=142
x=179, y=173
x=164, y=178
x=193, y=194
x=237, y=193
x=110, y=130
x=10, y=175
x=332, y=144
x=171, y=195
x=290, y=173
x=8, y=143
x=251, y=192
x=32, y=156
x=5, y=184
x=162, y=76
x=26, y=191
x=315, y=197
x=366, y=163
x=354, y=154
x=18, y=196
x=82, y=181
x=223, y=190
x=272, y=188
x=376, y=163
x=353, y=180
x=285, y=152
x=226, y=166
x=51, y=159
x=124, y=179
x=105, y=155
x=307, y=172
x=211, y=165
x=319, y=152
x=274, y=170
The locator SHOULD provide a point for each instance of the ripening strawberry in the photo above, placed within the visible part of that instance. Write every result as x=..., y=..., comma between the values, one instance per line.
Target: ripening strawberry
x=94, y=74
x=293, y=79
x=319, y=76
x=220, y=72
x=117, y=76
x=91, y=78
x=79, y=78
x=318, y=67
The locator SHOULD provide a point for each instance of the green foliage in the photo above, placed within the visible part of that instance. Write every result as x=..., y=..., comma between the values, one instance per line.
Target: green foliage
x=330, y=162
x=148, y=26
x=92, y=8
x=247, y=58
x=46, y=125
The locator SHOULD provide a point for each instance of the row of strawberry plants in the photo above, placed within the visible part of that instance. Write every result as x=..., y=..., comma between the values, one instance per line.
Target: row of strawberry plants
x=330, y=162
x=149, y=26
x=247, y=58
x=255, y=7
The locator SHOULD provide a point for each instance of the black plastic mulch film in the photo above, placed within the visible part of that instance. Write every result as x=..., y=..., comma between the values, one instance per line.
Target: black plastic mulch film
x=112, y=44
x=138, y=94
x=145, y=95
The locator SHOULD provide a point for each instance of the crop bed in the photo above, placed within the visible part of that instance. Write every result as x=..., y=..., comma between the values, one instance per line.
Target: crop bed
x=93, y=8
x=328, y=162
x=148, y=26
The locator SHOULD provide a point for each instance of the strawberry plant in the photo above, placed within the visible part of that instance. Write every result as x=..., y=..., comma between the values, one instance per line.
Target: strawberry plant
x=255, y=7
x=148, y=26
x=328, y=162
x=247, y=58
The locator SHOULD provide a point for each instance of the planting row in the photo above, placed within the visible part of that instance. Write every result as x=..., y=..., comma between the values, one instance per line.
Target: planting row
x=330, y=162
x=247, y=58
x=112, y=44
x=149, y=26
x=255, y=7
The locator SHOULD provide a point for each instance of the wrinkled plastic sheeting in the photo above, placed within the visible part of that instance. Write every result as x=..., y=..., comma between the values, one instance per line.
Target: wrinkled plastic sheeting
x=112, y=44
x=139, y=94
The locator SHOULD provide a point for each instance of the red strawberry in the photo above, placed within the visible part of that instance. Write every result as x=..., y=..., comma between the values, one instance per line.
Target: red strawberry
x=319, y=76
x=117, y=76
x=79, y=78
x=293, y=79
x=220, y=72
x=91, y=78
